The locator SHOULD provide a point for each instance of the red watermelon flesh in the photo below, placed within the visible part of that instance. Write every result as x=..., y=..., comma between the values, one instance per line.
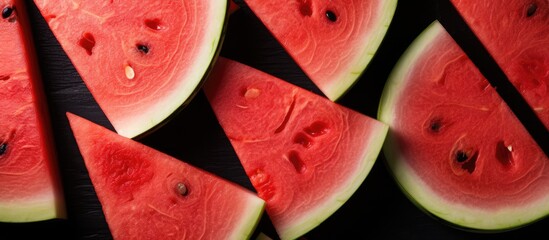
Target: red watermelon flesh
x=332, y=41
x=304, y=154
x=455, y=147
x=146, y=194
x=516, y=33
x=30, y=188
x=141, y=60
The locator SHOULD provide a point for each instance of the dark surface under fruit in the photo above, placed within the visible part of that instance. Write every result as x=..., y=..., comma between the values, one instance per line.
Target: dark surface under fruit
x=378, y=210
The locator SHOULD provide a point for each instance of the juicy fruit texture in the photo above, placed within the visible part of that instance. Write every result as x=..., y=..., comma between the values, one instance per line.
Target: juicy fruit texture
x=140, y=60
x=454, y=147
x=332, y=41
x=146, y=194
x=304, y=154
x=30, y=188
x=516, y=33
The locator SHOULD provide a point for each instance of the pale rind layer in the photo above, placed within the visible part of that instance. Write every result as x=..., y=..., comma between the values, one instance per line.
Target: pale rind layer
x=478, y=217
x=30, y=210
x=332, y=54
x=139, y=90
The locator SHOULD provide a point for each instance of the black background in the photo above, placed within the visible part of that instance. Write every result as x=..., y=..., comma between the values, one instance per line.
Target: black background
x=378, y=209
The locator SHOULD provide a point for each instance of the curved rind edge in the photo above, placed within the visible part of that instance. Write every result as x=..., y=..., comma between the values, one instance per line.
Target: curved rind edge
x=454, y=215
x=156, y=119
x=250, y=219
x=339, y=88
x=314, y=218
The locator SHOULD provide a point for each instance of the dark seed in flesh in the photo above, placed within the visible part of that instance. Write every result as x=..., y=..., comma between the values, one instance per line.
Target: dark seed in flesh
x=143, y=48
x=531, y=10
x=461, y=156
x=331, y=16
x=3, y=148
x=6, y=12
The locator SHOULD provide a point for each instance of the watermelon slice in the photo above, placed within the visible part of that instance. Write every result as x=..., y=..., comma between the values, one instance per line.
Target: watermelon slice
x=519, y=43
x=455, y=148
x=304, y=154
x=332, y=41
x=141, y=60
x=30, y=188
x=146, y=194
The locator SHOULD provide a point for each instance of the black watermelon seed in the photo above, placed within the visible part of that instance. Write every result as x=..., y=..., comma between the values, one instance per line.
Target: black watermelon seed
x=331, y=16
x=143, y=48
x=531, y=10
x=3, y=148
x=435, y=125
x=6, y=12
x=461, y=156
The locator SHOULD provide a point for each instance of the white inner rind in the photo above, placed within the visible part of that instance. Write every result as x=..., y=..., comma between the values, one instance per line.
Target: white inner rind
x=322, y=211
x=420, y=192
x=38, y=209
x=250, y=218
x=134, y=126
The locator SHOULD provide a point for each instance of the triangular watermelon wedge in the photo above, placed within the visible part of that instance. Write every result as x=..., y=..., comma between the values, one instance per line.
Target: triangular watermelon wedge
x=30, y=187
x=304, y=154
x=146, y=194
x=332, y=41
x=141, y=60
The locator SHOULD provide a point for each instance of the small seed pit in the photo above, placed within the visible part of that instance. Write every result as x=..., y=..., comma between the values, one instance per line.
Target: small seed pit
x=504, y=154
x=87, y=41
x=305, y=8
x=317, y=129
x=154, y=24
x=296, y=161
x=303, y=140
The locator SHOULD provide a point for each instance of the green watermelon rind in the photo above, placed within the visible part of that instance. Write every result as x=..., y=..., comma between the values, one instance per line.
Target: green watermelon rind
x=452, y=214
x=248, y=223
x=156, y=119
x=339, y=88
x=315, y=217
x=31, y=211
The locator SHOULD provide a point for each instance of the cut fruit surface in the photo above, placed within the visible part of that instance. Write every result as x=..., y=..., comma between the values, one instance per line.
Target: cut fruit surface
x=146, y=194
x=30, y=187
x=304, y=154
x=516, y=33
x=454, y=147
x=332, y=41
x=141, y=61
